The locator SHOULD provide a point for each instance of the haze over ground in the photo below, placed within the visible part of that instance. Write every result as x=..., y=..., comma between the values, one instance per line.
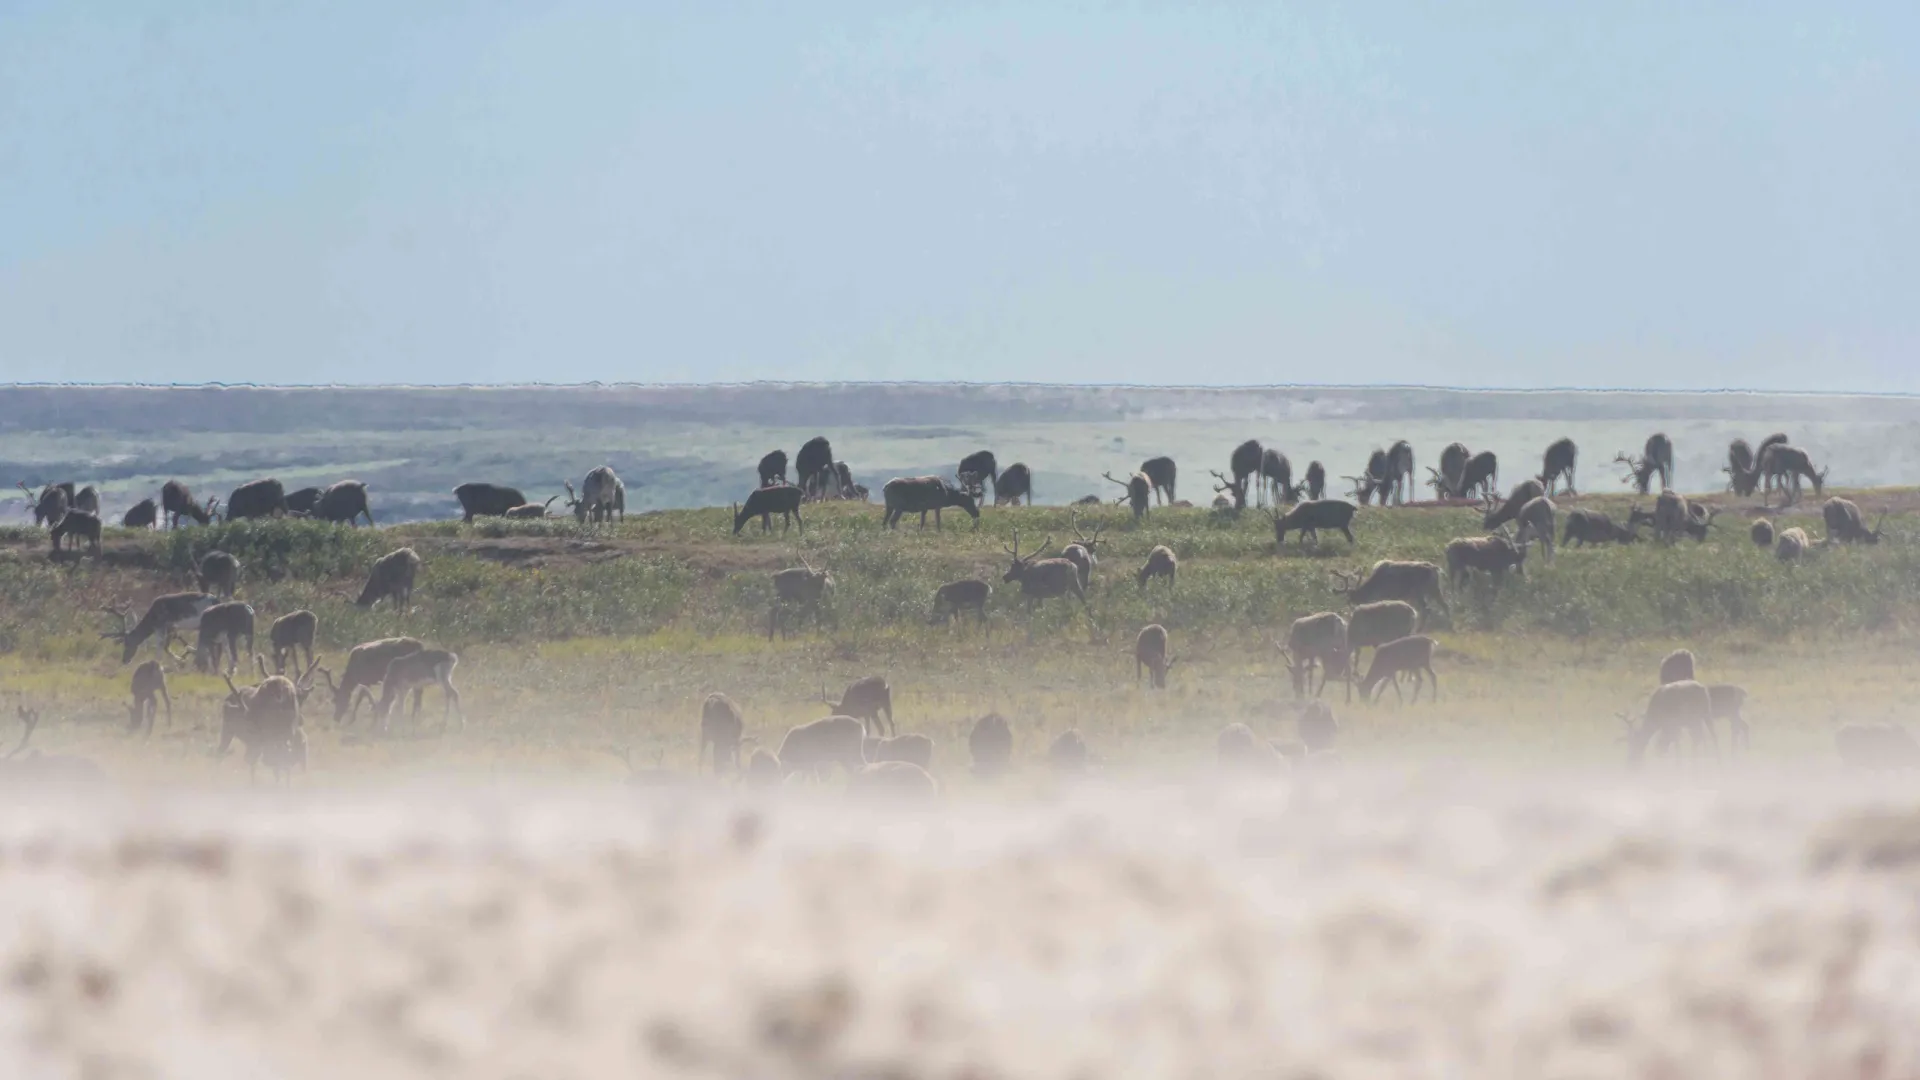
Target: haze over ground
x=1608, y=196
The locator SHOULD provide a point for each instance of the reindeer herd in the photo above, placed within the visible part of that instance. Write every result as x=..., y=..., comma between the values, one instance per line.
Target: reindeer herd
x=1388, y=606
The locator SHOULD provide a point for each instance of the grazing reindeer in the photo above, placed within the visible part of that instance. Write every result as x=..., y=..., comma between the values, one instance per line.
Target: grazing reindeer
x=175, y=611
x=1316, y=481
x=87, y=500
x=1150, y=655
x=1229, y=494
x=1792, y=544
x=1015, y=483
x=1677, y=666
x=602, y=495
x=866, y=700
x=1083, y=552
x=1309, y=517
x=391, y=578
x=530, y=511
x=773, y=468
x=414, y=672
x=990, y=744
x=1375, y=479
x=222, y=626
x=1244, y=463
x=813, y=468
x=141, y=515
x=75, y=526
x=1491, y=555
x=1406, y=656
x=257, y=499
x=1374, y=624
x=303, y=502
x=290, y=634
x=1161, y=562
x=346, y=502
x=1557, y=465
x=1399, y=480
x=1593, y=527
x=487, y=500
x=1498, y=513
x=1843, y=522
x=266, y=719
x=1317, y=641
x=1536, y=523
x=1276, y=477
x=1655, y=460
x=1042, y=578
x=1761, y=534
x=1676, y=708
x=149, y=689
x=1449, y=480
x=1671, y=516
x=976, y=471
x=815, y=747
x=51, y=504
x=1139, y=488
x=800, y=587
x=1482, y=475
x=955, y=597
x=905, y=495
x=1161, y=474
x=721, y=727
x=218, y=573
x=763, y=503
x=366, y=667
x=1413, y=582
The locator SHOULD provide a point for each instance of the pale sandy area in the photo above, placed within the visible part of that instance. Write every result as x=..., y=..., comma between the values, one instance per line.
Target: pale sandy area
x=1364, y=924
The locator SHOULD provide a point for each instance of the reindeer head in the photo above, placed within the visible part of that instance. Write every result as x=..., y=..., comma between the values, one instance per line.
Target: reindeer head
x=1347, y=582
x=1091, y=543
x=1019, y=566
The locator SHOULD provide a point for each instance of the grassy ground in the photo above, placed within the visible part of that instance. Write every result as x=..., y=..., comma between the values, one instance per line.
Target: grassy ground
x=576, y=639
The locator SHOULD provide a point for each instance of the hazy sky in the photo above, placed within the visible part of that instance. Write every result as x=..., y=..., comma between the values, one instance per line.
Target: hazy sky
x=1492, y=194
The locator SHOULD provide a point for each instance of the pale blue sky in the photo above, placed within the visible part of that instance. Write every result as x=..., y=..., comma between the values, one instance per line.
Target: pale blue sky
x=1488, y=194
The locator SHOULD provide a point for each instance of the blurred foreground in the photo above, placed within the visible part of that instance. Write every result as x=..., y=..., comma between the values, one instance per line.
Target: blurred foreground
x=1352, y=922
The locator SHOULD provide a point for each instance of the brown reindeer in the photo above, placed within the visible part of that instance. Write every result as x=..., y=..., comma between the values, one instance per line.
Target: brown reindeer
x=1557, y=466
x=1161, y=474
x=1317, y=641
x=290, y=635
x=800, y=588
x=721, y=730
x=149, y=690
x=1407, y=656
x=392, y=577
x=1083, y=552
x=867, y=700
x=1139, y=489
x=414, y=672
x=1042, y=578
x=956, y=597
x=1150, y=656
x=1161, y=562
x=367, y=666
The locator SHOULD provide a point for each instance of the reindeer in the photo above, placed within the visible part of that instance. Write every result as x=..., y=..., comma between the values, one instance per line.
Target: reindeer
x=1317, y=641
x=1586, y=526
x=291, y=634
x=1792, y=545
x=955, y=597
x=1762, y=533
x=1276, y=474
x=346, y=502
x=1413, y=582
x=1671, y=516
x=763, y=503
x=1234, y=492
x=1400, y=471
x=1557, y=465
x=1083, y=552
x=266, y=718
x=1491, y=555
x=530, y=511
x=602, y=495
x=1406, y=656
x=1316, y=478
x=866, y=700
x=1160, y=473
x=1677, y=666
x=773, y=469
x=1783, y=467
x=487, y=500
x=75, y=526
x=813, y=468
x=1308, y=518
x=415, y=671
x=1448, y=481
x=1843, y=522
x=1015, y=483
x=1676, y=708
x=222, y=626
x=721, y=727
x=905, y=495
x=87, y=500
x=366, y=667
x=1497, y=513
x=848, y=489
x=218, y=573
x=814, y=748
x=257, y=499
x=51, y=504
x=1245, y=465
x=800, y=587
x=1482, y=475
x=1536, y=523
x=392, y=578
x=1374, y=624
x=1161, y=562
x=1656, y=459
x=976, y=471
x=303, y=502
x=149, y=689
x=1375, y=479
x=166, y=614
x=1150, y=655
x=141, y=515
x=1042, y=578
x=1138, y=487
